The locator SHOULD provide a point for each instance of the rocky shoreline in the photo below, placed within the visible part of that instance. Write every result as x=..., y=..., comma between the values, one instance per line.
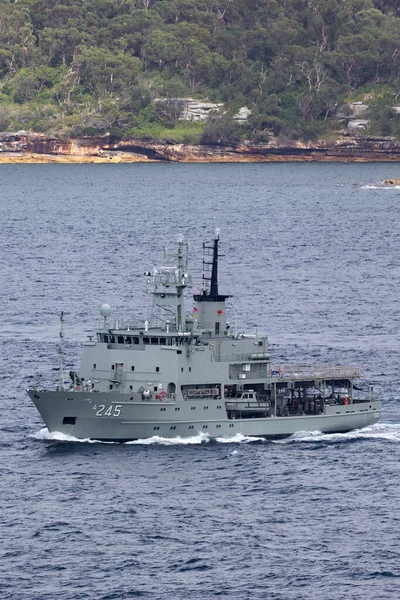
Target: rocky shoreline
x=25, y=147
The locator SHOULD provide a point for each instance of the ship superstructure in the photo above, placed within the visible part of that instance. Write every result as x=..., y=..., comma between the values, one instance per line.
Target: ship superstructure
x=178, y=374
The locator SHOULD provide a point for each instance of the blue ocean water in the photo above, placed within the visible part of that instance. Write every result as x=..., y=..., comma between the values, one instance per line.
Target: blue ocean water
x=312, y=258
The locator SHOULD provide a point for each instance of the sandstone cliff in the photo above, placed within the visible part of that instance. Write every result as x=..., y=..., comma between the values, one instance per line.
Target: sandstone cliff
x=24, y=147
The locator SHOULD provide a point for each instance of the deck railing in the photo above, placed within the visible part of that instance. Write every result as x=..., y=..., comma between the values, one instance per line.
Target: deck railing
x=315, y=372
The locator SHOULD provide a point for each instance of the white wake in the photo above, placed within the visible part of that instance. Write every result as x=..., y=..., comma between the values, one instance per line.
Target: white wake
x=388, y=432
x=380, y=187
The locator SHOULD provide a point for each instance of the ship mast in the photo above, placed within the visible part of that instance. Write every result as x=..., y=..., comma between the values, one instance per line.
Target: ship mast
x=209, y=305
x=169, y=285
x=180, y=286
x=61, y=369
x=213, y=292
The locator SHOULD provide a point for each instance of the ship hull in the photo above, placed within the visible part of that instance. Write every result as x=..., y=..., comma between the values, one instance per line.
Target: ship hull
x=100, y=416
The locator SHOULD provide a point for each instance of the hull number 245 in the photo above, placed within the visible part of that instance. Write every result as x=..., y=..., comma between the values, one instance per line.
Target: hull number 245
x=112, y=411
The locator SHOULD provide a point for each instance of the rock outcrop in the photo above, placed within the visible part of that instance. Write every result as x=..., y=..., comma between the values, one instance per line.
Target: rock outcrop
x=24, y=147
x=352, y=115
x=242, y=115
x=189, y=109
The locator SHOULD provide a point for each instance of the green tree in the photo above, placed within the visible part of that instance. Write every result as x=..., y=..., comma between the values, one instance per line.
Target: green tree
x=220, y=130
x=103, y=73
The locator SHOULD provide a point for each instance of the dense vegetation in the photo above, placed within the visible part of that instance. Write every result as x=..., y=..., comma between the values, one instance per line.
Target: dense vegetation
x=83, y=67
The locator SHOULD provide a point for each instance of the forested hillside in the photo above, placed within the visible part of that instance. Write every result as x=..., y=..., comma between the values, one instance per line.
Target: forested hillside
x=86, y=67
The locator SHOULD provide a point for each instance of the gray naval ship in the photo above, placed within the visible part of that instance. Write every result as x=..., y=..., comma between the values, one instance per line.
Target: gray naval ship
x=178, y=375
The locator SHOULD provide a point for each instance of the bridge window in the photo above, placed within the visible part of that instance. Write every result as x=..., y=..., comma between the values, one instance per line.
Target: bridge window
x=128, y=340
x=163, y=341
x=154, y=341
x=106, y=339
x=135, y=340
x=120, y=339
x=146, y=340
x=157, y=369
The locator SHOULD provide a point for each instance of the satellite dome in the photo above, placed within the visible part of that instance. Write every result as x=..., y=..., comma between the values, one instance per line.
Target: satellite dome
x=105, y=310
